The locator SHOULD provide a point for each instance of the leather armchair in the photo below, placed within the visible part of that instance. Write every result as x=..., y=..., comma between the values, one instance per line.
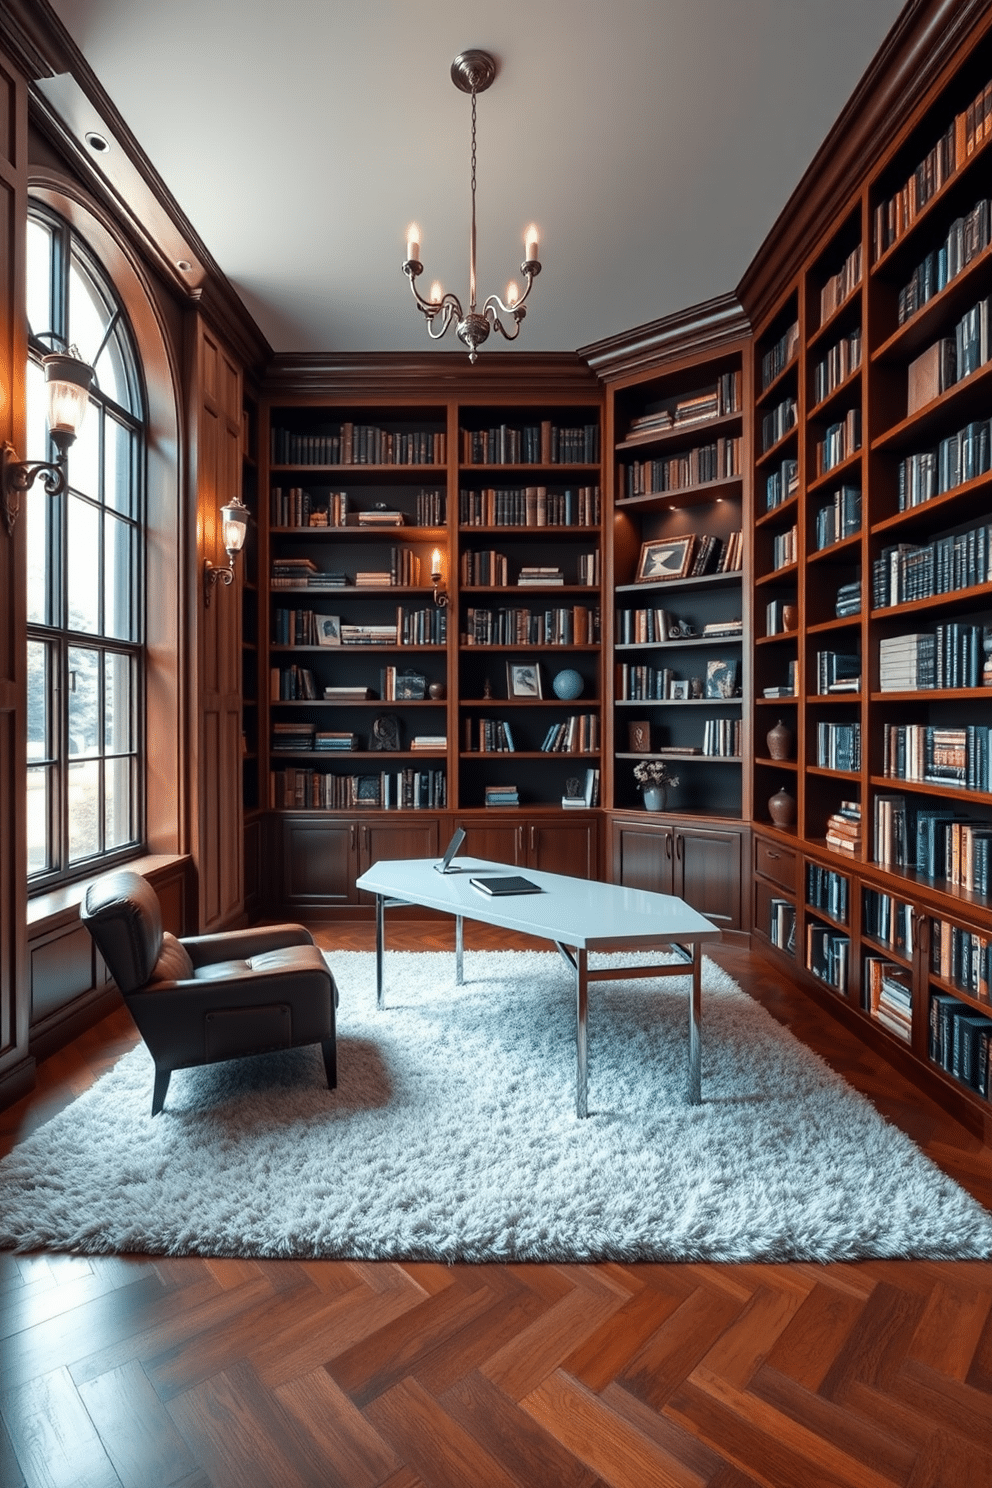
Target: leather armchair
x=210, y=997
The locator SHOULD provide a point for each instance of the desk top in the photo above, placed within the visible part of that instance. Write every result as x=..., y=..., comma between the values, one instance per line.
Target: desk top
x=579, y=912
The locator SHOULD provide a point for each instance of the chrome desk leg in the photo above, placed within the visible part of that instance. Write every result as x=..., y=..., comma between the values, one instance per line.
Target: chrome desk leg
x=380, y=947
x=695, y=1011
x=459, y=950
x=581, y=1023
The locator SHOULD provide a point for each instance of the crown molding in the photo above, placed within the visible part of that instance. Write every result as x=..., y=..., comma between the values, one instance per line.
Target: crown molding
x=924, y=38
x=698, y=328
x=524, y=375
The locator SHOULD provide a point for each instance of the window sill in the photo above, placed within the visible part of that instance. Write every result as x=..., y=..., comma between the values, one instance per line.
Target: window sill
x=46, y=911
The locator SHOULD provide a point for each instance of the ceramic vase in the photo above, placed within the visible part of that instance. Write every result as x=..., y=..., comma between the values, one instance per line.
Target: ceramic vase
x=654, y=798
x=779, y=740
x=782, y=808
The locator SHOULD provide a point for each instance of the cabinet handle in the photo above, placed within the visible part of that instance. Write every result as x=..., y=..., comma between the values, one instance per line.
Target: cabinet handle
x=678, y=846
x=520, y=839
x=533, y=838
x=354, y=836
x=366, y=838
x=775, y=855
x=668, y=845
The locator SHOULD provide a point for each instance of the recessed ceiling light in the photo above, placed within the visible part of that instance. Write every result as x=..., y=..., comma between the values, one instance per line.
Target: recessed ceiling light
x=184, y=265
x=96, y=142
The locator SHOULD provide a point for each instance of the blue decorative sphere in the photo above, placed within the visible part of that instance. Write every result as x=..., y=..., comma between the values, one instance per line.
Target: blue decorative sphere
x=568, y=685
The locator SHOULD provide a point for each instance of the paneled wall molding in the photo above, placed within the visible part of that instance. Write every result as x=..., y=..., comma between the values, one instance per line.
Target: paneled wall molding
x=404, y=374
x=704, y=327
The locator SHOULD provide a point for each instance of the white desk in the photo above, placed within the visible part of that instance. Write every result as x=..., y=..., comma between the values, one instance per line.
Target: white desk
x=579, y=915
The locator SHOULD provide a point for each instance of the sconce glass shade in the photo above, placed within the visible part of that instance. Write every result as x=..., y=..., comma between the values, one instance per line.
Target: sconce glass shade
x=69, y=381
x=234, y=522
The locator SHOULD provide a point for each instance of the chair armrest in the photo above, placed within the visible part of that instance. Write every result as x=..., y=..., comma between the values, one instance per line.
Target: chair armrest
x=242, y=945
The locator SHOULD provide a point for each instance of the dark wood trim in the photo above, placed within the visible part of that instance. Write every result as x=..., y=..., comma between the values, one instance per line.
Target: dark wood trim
x=699, y=328
x=367, y=375
x=66, y=1023
x=919, y=46
x=17, y=1081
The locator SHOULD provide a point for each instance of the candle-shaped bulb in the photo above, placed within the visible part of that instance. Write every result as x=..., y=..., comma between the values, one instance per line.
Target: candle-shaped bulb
x=436, y=564
x=437, y=292
x=413, y=243
x=512, y=294
x=532, y=242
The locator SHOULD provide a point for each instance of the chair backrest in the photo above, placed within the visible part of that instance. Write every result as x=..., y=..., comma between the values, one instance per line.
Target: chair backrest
x=121, y=912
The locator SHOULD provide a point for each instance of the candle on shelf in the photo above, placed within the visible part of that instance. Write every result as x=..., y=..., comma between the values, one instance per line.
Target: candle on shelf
x=413, y=243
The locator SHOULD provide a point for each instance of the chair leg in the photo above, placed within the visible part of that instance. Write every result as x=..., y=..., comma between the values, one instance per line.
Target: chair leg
x=329, y=1049
x=162, y=1077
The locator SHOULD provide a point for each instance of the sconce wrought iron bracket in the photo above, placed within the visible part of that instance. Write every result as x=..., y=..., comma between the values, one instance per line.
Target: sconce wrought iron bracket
x=18, y=476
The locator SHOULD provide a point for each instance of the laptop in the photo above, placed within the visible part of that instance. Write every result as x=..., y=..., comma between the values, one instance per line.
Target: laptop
x=445, y=864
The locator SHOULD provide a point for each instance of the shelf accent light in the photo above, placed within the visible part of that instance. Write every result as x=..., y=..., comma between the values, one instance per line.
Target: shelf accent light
x=471, y=72
x=234, y=524
x=437, y=579
x=68, y=380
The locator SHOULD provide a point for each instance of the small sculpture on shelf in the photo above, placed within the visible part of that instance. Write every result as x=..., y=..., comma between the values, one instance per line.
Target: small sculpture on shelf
x=782, y=808
x=386, y=733
x=654, y=779
x=779, y=741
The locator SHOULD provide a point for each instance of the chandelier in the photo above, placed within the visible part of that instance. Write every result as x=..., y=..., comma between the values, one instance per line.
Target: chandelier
x=471, y=72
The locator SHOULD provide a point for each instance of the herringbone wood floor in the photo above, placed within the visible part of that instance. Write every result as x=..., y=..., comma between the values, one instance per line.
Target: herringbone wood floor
x=148, y=1372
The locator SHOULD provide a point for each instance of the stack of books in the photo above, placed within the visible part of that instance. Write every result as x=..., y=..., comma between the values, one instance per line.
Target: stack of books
x=906, y=662
x=535, y=574
x=429, y=741
x=379, y=517
x=331, y=739
x=372, y=579
x=716, y=628
x=589, y=795
x=890, y=994
x=837, y=671
x=844, y=829
x=347, y=694
x=502, y=795
x=848, y=600
x=292, y=738
x=292, y=573
x=368, y=635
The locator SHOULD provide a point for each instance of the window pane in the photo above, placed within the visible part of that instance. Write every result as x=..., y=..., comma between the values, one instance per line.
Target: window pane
x=83, y=564
x=119, y=618
x=39, y=789
x=84, y=455
x=88, y=316
x=118, y=482
x=118, y=713
x=84, y=810
x=111, y=374
x=118, y=798
x=37, y=414
x=84, y=701
x=39, y=278
x=38, y=696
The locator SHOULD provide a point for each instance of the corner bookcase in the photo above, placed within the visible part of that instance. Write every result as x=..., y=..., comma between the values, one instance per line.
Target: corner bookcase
x=873, y=524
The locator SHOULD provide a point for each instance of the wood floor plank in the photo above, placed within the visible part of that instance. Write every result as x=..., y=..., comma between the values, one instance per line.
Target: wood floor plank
x=675, y=1349
x=950, y=1329
x=331, y=1329
x=10, y=1469
x=438, y=1449
x=959, y=1407
x=670, y=1435
x=608, y=1351
x=541, y=1347
x=135, y=1428
x=742, y=1347
x=529, y=1453
x=948, y=1462
x=805, y=1349
x=351, y=1450
x=56, y=1443
x=877, y=1344
x=884, y=1452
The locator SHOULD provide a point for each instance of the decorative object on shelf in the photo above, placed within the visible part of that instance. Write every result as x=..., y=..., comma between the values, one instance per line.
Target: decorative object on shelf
x=68, y=380
x=487, y=689
x=654, y=779
x=523, y=680
x=790, y=616
x=779, y=741
x=573, y=790
x=678, y=689
x=437, y=575
x=386, y=733
x=639, y=737
x=681, y=630
x=471, y=72
x=437, y=691
x=721, y=679
x=782, y=808
x=328, y=630
x=665, y=558
x=695, y=687
x=568, y=684
x=234, y=525
x=410, y=687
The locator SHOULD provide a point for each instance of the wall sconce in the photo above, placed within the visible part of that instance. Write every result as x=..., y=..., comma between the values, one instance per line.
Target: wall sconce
x=437, y=575
x=234, y=523
x=68, y=380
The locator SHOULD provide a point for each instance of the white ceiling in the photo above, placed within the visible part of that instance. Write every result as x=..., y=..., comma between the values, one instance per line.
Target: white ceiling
x=654, y=143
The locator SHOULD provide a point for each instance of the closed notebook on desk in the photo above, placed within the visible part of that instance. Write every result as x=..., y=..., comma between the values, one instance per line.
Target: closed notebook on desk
x=506, y=884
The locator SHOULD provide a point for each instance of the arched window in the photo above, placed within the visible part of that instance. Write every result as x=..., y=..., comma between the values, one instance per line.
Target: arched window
x=84, y=574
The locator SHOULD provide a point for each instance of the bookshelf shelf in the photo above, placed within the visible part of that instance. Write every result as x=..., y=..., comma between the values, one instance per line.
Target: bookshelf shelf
x=683, y=434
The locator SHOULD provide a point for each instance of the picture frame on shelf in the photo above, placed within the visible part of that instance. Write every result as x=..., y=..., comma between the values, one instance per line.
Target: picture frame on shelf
x=410, y=687
x=678, y=689
x=329, y=630
x=523, y=679
x=721, y=678
x=664, y=558
x=639, y=736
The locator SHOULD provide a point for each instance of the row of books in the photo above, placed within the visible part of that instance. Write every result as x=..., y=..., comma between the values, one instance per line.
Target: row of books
x=303, y=573
x=958, y=458
x=827, y=955
x=581, y=794
x=967, y=237
x=839, y=518
x=961, y=956
x=938, y=755
x=776, y=616
x=288, y=684
x=888, y=992
x=954, y=655
x=894, y=216
x=837, y=671
x=574, y=625
x=785, y=548
x=838, y=746
x=722, y=397
x=905, y=572
x=579, y=733
x=305, y=627
x=718, y=461
x=778, y=421
x=840, y=286
x=890, y=921
x=389, y=790
x=778, y=356
x=545, y=443
x=530, y=506
x=960, y=1041
x=349, y=443
x=488, y=568
x=837, y=365
x=781, y=484
x=827, y=890
x=638, y=682
x=782, y=923
x=840, y=440
x=651, y=626
x=949, y=360
x=932, y=841
x=722, y=738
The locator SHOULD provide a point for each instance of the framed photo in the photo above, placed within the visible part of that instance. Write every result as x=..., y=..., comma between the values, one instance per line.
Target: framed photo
x=328, y=630
x=665, y=558
x=721, y=679
x=523, y=679
x=410, y=686
x=639, y=737
x=679, y=689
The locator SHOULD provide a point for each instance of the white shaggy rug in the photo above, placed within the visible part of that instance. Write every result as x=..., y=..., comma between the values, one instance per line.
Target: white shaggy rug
x=453, y=1136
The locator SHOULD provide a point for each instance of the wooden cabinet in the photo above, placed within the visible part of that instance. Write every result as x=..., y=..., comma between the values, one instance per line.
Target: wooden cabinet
x=556, y=844
x=698, y=862
x=322, y=856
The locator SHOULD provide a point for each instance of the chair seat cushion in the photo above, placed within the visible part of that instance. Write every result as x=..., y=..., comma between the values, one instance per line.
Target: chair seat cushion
x=289, y=958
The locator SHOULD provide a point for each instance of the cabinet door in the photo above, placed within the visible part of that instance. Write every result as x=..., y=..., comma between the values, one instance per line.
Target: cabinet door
x=708, y=873
x=562, y=846
x=496, y=842
x=643, y=857
x=319, y=863
x=380, y=841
